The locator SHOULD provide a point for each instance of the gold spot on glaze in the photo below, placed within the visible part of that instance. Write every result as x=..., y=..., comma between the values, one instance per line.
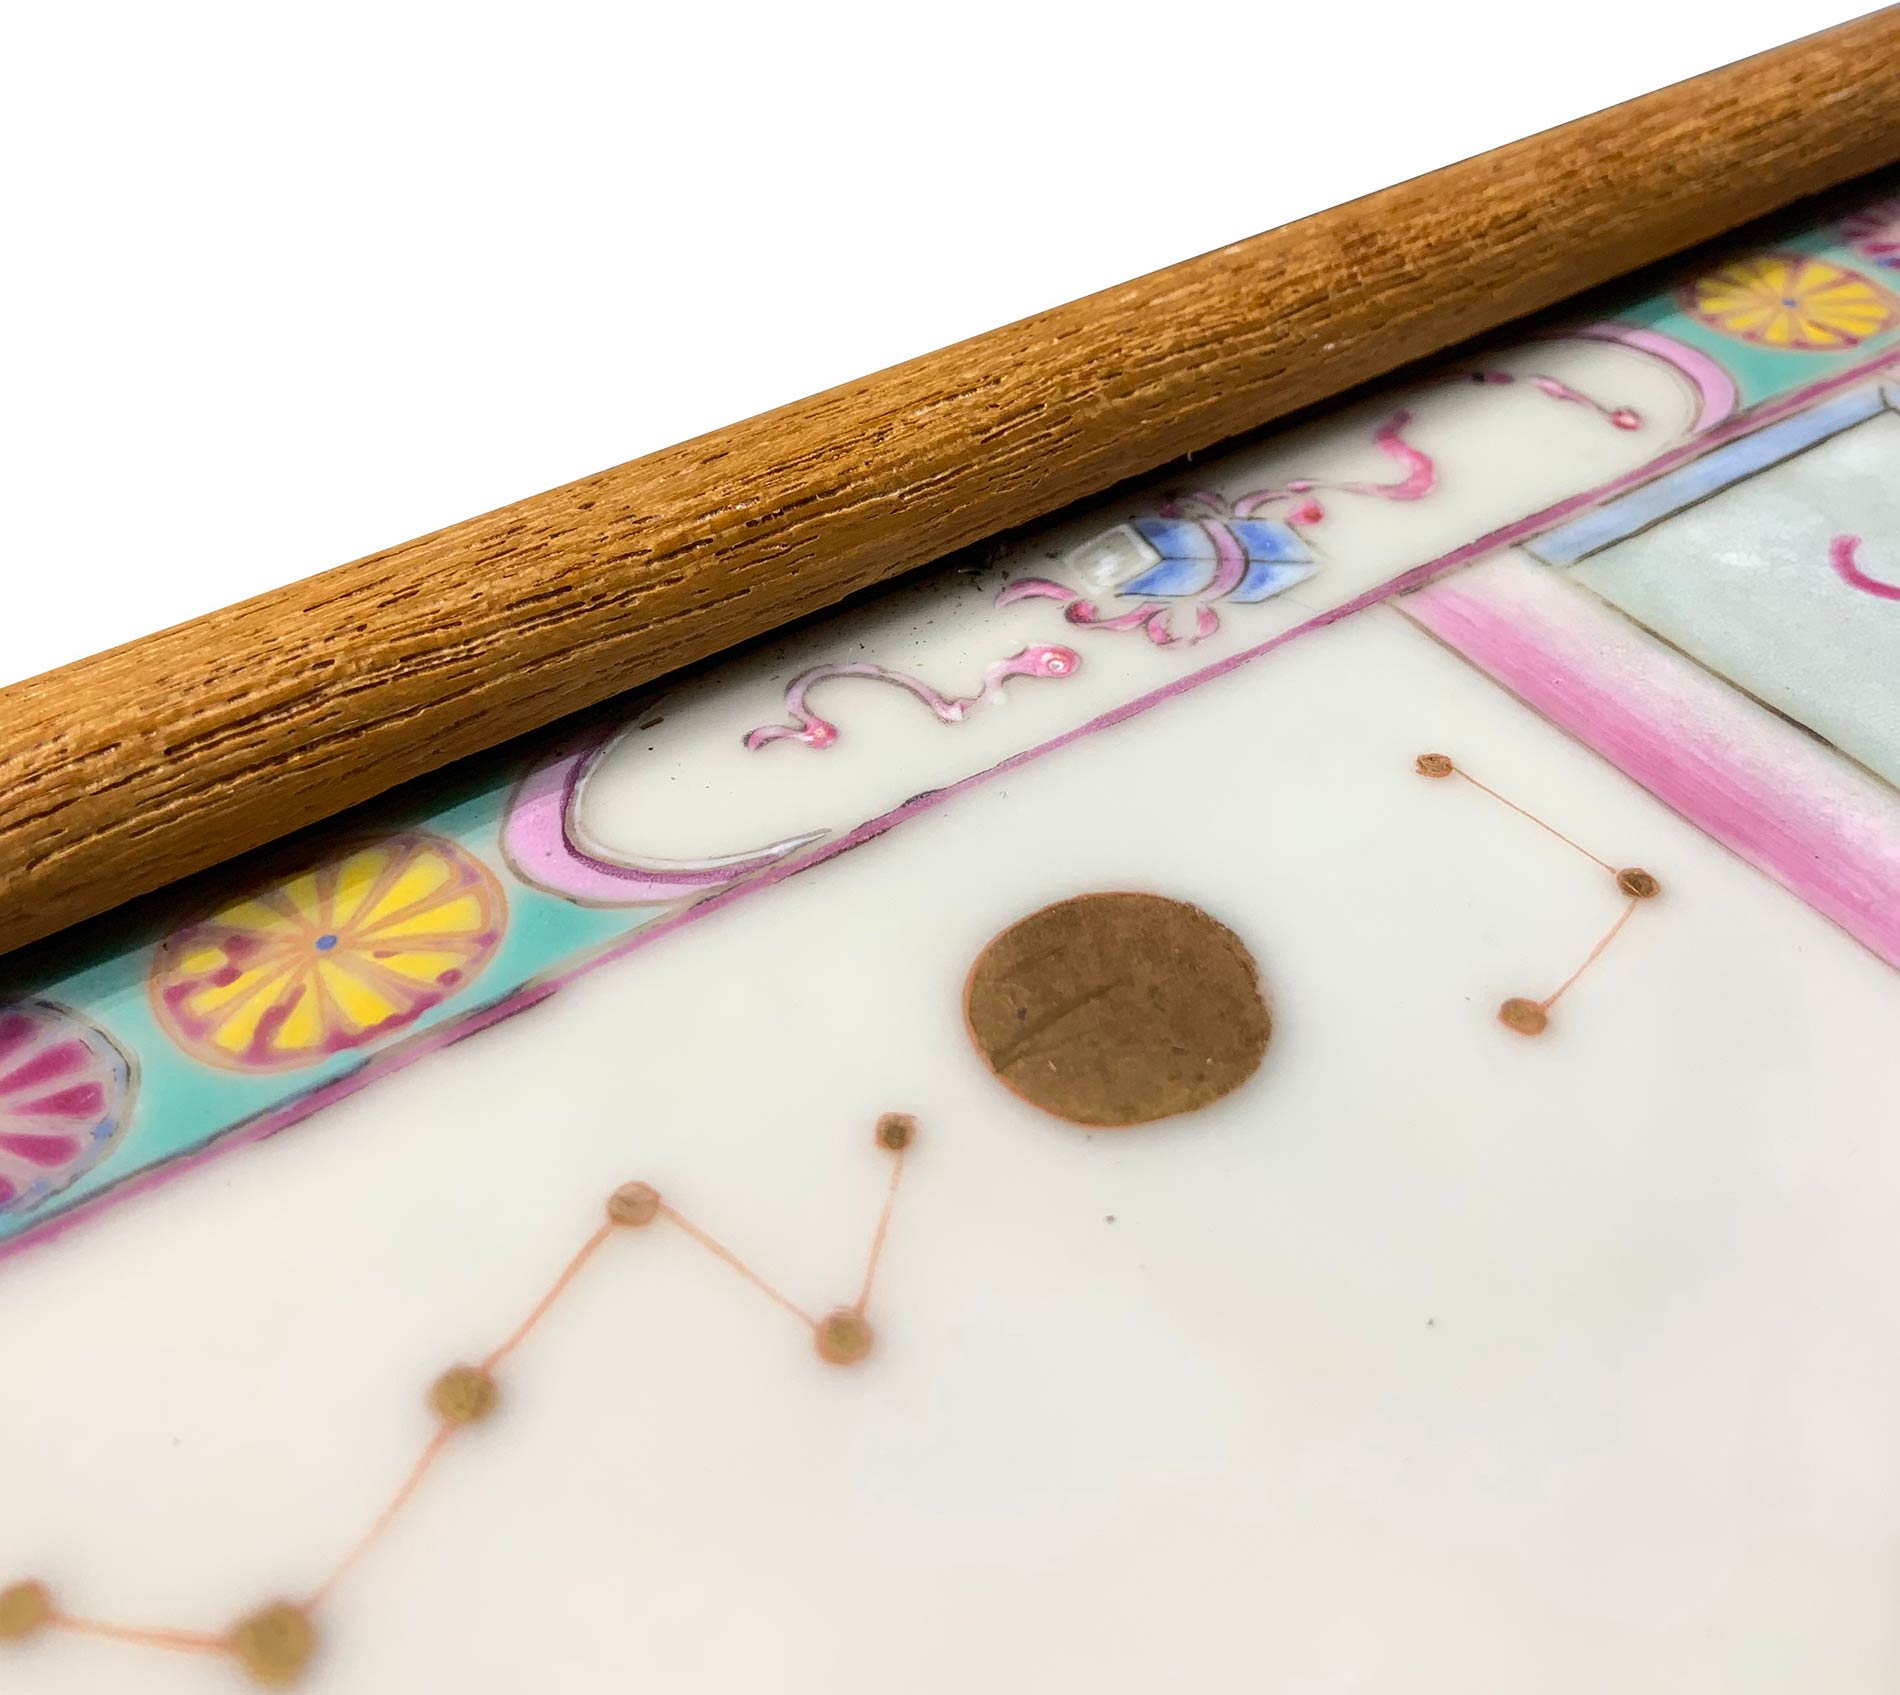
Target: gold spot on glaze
x=1527, y=1018
x=1637, y=883
x=843, y=1337
x=464, y=1394
x=634, y=1204
x=275, y=1644
x=896, y=1131
x=1434, y=765
x=24, y=1608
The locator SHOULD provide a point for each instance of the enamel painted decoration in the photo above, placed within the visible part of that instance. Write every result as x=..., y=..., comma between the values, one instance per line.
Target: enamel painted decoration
x=65, y=1096
x=1307, y=1042
x=1794, y=302
x=332, y=958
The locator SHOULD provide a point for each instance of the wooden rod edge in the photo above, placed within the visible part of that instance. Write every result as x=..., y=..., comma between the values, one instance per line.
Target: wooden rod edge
x=143, y=764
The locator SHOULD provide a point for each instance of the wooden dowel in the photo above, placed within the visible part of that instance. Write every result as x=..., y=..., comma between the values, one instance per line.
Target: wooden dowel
x=140, y=765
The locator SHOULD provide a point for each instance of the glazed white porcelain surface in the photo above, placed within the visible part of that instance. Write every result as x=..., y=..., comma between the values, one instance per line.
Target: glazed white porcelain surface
x=1435, y=1357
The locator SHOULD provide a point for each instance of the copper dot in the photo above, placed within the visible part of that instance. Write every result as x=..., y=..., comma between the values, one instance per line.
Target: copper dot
x=464, y=1394
x=1117, y=1009
x=1637, y=883
x=1434, y=765
x=24, y=1607
x=1527, y=1018
x=843, y=1337
x=275, y=1644
x=896, y=1131
x=634, y=1204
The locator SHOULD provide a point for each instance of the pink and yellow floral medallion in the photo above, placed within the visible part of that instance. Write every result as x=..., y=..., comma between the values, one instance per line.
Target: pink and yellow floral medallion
x=1792, y=302
x=65, y=1095
x=331, y=958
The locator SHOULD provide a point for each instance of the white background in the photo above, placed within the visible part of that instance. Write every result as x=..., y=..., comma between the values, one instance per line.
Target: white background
x=282, y=285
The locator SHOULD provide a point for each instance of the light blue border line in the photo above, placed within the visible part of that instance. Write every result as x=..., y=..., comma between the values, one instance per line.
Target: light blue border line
x=1703, y=477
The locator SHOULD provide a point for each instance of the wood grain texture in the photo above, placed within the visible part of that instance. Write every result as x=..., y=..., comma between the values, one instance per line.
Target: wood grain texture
x=137, y=766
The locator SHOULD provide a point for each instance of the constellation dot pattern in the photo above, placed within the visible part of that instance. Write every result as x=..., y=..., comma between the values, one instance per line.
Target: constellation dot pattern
x=1521, y=1014
x=276, y=1644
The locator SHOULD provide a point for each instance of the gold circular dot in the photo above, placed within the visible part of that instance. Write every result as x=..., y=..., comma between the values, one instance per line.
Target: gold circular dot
x=464, y=1394
x=896, y=1131
x=1527, y=1018
x=1637, y=883
x=634, y=1204
x=24, y=1607
x=1434, y=765
x=1118, y=1009
x=843, y=1337
x=275, y=1644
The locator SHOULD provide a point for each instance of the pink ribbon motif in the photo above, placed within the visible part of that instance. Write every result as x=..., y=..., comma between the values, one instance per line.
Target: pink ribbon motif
x=817, y=732
x=1217, y=518
x=1225, y=526
x=1235, y=551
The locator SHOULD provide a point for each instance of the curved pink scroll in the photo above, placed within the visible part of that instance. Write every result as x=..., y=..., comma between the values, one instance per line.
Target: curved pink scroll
x=538, y=838
x=1840, y=554
x=1716, y=395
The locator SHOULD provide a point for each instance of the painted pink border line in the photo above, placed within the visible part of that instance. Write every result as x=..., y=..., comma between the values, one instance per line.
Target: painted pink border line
x=432, y=1041
x=1716, y=393
x=281, y=1117
x=1791, y=807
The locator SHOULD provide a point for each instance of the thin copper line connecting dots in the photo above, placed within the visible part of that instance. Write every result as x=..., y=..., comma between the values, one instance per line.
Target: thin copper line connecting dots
x=1521, y=1014
x=276, y=1643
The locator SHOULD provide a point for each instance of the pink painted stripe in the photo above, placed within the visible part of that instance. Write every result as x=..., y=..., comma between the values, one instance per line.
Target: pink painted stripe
x=402, y=1053
x=1817, y=824
x=49, y=1063
x=1716, y=394
x=283, y=1116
